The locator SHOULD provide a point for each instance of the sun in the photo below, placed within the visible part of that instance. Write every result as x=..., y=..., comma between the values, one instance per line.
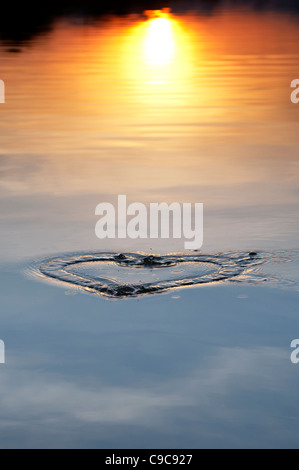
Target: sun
x=159, y=43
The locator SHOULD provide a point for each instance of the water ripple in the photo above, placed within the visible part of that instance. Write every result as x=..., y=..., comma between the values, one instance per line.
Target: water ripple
x=133, y=274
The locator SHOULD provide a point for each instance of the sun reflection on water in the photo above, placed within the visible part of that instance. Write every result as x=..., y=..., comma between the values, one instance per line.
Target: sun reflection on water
x=158, y=56
x=159, y=44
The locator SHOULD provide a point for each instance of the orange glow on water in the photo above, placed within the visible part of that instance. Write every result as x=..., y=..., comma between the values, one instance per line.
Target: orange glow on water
x=159, y=44
x=158, y=58
x=115, y=96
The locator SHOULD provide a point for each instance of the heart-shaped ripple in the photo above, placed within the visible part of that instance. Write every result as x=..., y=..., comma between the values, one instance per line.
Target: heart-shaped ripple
x=133, y=274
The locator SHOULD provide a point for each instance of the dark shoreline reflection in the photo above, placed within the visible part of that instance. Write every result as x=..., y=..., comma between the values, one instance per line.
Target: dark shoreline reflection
x=19, y=26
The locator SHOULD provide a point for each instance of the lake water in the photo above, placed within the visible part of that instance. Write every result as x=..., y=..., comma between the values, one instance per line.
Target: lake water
x=193, y=108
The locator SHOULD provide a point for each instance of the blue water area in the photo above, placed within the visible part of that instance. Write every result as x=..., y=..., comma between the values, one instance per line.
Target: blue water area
x=134, y=342
x=197, y=367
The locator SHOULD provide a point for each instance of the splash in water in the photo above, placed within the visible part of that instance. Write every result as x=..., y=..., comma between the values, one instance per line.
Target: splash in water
x=133, y=274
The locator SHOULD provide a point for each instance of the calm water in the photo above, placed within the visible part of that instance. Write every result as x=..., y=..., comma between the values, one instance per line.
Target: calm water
x=195, y=108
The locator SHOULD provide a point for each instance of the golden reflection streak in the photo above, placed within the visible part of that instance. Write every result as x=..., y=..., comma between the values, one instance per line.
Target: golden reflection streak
x=158, y=58
x=159, y=45
x=101, y=109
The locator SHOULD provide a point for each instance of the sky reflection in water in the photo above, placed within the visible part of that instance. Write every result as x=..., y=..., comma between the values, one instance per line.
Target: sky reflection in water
x=98, y=109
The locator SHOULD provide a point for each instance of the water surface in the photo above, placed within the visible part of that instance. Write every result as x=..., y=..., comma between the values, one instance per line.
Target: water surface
x=196, y=109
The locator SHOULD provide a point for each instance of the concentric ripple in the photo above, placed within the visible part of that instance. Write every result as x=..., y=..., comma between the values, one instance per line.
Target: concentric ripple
x=133, y=274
